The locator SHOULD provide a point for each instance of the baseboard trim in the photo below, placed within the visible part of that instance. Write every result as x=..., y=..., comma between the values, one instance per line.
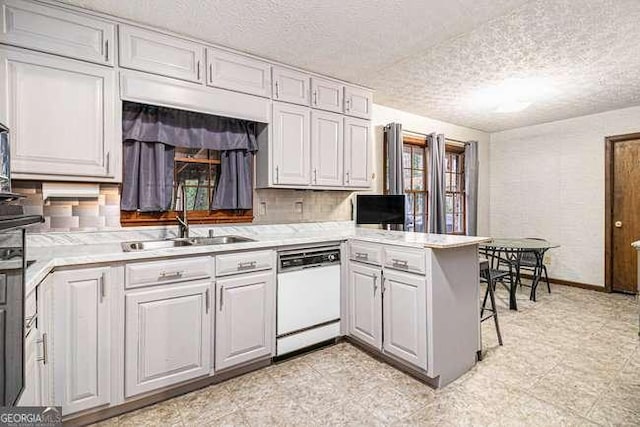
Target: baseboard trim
x=564, y=282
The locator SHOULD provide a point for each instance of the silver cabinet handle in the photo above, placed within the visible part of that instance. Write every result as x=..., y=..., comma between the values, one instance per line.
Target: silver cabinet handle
x=383, y=285
x=206, y=301
x=363, y=256
x=106, y=50
x=108, y=162
x=198, y=71
x=277, y=174
x=102, y=287
x=315, y=176
x=44, y=357
x=315, y=97
x=347, y=105
x=172, y=275
x=210, y=73
x=375, y=285
x=221, y=297
x=348, y=177
x=400, y=263
x=247, y=265
x=277, y=90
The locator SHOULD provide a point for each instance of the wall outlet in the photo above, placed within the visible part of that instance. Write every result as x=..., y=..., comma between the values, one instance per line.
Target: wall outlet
x=262, y=210
x=297, y=207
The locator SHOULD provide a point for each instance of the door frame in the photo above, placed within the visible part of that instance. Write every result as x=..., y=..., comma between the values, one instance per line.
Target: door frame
x=609, y=142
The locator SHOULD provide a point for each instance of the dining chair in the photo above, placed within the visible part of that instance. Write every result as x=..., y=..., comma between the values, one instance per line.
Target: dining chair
x=491, y=277
x=533, y=261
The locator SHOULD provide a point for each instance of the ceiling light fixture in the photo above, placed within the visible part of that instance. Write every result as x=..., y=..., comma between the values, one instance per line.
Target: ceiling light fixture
x=511, y=95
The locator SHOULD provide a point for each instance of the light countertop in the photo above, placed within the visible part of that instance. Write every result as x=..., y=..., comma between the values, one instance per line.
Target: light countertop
x=56, y=250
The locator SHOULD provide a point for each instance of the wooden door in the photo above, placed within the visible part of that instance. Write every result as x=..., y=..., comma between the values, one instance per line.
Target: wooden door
x=80, y=340
x=168, y=336
x=291, y=144
x=326, y=149
x=61, y=114
x=238, y=72
x=625, y=222
x=405, y=317
x=365, y=304
x=157, y=53
x=245, y=325
x=49, y=29
x=326, y=95
x=290, y=86
x=357, y=102
x=357, y=153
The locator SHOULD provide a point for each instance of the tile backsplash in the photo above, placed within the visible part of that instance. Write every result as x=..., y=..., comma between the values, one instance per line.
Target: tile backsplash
x=271, y=206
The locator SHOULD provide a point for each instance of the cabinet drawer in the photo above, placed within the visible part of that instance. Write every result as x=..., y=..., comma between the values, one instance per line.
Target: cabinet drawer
x=57, y=31
x=365, y=252
x=404, y=259
x=243, y=262
x=166, y=271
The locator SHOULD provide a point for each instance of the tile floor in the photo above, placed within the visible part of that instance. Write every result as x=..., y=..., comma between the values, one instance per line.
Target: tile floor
x=572, y=358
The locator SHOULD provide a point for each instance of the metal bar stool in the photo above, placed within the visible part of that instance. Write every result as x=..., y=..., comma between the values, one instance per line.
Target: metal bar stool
x=491, y=277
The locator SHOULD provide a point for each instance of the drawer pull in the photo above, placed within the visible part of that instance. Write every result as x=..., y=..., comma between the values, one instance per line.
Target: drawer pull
x=375, y=284
x=247, y=265
x=172, y=275
x=362, y=256
x=207, y=303
x=400, y=263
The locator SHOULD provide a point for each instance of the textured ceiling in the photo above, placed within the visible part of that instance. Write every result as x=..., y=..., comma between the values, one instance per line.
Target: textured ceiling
x=430, y=57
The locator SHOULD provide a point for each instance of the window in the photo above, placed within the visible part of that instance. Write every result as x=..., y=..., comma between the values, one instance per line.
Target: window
x=416, y=184
x=198, y=171
x=414, y=162
x=454, y=190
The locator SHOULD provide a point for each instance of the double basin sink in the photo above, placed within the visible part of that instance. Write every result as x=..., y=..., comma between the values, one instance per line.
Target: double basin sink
x=149, y=245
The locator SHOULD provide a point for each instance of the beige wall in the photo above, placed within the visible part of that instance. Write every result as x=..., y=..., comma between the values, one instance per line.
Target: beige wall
x=548, y=181
x=384, y=115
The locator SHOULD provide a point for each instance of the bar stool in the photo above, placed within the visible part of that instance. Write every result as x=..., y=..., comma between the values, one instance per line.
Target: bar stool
x=491, y=277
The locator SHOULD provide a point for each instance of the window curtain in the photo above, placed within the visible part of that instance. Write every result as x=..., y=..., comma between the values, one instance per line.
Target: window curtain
x=471, y=166
x=150, y=134
x=437, y=220
x=393, y=137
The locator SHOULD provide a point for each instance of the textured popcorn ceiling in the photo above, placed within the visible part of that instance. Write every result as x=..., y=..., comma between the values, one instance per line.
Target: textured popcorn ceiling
x=430, y=56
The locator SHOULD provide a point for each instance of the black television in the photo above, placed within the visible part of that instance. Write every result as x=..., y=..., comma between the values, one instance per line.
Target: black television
x=379, y=209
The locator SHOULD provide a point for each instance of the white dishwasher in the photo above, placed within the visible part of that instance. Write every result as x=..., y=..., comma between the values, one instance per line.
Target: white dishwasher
x=308, y=298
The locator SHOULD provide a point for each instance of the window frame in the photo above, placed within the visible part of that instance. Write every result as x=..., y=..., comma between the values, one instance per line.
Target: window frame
x=452, y=148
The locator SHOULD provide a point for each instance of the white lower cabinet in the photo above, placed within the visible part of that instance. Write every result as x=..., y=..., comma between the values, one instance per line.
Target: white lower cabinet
x=365, y=304
x=76, y=318
x=245, y=322
x=405, y=317
x=168, y=336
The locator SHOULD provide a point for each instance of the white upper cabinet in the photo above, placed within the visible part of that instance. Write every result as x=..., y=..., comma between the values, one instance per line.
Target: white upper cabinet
x=238, y=72
x=291, y=144
x=290, y=86
x=326, y=95
x=57, y=31
x=326, y=148
x=357, y=102
x=357, y=153
x=158, y=53
x=61, y=113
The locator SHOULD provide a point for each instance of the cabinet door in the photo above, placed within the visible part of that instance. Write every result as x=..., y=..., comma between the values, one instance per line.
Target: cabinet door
x=237, y=72
x=326, y=95
x=245, y=327
x=168, y=336
x=357, y=152
x=11, y=336
x=365, y=304
x=291, y=144
x=80, y=339
x=290, y=86
x=326, y=148
x=357, y=102
x=61, y=114
x=57, y=31
x=405, y=317
x=158, y=53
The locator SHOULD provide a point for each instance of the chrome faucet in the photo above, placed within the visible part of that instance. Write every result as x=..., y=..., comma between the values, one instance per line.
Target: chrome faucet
x=183, y=223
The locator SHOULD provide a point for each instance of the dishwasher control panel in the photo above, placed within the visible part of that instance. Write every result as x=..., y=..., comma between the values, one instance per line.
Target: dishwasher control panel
x=308, y=258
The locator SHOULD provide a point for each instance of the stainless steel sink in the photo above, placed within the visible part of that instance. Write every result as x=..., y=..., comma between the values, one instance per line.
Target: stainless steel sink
x=219, y=240
x=149, y=245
